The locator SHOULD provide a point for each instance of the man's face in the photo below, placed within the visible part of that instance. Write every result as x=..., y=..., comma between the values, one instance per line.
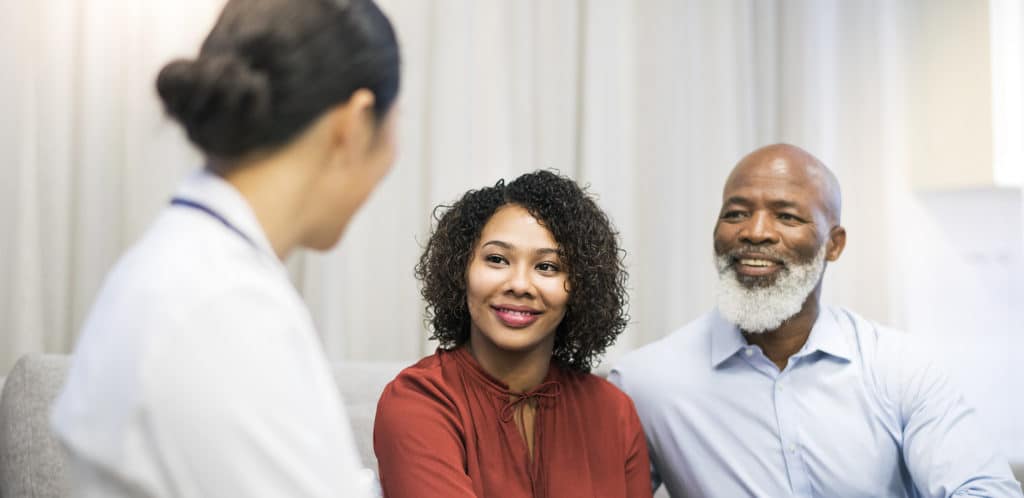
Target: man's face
x=771, y=242
x=772, y=217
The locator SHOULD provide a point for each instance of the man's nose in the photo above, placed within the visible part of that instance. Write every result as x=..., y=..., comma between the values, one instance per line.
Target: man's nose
x=759, y=229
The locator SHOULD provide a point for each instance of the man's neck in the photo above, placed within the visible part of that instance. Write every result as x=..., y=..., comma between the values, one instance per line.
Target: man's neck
x=782, y=343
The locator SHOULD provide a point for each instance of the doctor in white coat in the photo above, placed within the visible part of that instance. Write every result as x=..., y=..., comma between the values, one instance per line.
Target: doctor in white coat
x=198, y=372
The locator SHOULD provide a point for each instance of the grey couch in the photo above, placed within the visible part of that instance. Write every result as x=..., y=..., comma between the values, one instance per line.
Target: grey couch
x=31, y=465
x=30, y=462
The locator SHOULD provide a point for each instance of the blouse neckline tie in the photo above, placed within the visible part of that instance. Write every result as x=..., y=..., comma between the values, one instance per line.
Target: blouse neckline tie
x=547, y=390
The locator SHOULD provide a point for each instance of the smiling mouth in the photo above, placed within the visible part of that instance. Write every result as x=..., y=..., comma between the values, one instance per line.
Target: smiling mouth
x=519, y=312
x=515, y=318
x=758, y=263
x=756, y=266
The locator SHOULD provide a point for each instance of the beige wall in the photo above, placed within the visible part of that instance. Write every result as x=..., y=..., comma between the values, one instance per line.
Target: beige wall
x=949, y=94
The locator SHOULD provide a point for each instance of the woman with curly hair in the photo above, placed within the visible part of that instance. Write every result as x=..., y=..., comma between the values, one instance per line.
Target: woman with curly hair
x=525, y=289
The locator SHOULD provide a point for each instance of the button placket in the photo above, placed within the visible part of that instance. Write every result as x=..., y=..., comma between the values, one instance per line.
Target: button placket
x=788, y=439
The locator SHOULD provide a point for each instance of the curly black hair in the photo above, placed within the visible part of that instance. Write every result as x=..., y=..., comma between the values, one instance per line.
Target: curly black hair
x=596, y=312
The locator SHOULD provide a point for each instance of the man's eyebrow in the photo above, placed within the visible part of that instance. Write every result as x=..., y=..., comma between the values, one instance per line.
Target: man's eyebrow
x=782, y=204
x=774, y=204
x=743, y=201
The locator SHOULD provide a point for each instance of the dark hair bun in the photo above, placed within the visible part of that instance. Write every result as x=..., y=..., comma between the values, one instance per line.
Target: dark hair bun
x=223, y=103
x=269, y=68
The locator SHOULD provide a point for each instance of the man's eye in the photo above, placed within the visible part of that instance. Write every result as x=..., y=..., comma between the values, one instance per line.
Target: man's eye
x=788, y=217
x=732, y=215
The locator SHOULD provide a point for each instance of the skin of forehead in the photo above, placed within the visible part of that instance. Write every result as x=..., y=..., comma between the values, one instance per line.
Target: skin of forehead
x=792, y=163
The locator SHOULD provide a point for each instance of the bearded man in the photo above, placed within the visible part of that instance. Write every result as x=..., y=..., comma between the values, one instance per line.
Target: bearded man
x=773, y=394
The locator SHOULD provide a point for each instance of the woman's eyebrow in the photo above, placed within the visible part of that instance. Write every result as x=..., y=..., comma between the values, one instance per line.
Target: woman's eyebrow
x=505, y=245
x=499, y=243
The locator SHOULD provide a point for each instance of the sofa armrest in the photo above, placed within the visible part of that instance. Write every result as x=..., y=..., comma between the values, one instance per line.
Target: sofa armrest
x=31, y=459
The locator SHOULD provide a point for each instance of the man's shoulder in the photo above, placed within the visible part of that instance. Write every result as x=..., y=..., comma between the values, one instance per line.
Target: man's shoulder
x=877, y=341
x=684, y=340
x=676, y=354
x=891, y=357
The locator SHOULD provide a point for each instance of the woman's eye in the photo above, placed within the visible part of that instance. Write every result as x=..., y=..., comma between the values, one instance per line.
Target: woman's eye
x=547, y=267
x=494, y=258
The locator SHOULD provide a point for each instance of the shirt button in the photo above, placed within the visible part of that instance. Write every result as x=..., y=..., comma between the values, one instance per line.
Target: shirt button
x=748, y=352
x=792, y=448
x=779, y=388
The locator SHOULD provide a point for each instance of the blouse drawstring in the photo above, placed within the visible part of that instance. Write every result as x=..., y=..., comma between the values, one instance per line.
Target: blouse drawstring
x=548, y=390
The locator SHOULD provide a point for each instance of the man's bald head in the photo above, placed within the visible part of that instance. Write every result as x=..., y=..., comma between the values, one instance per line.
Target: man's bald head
x=776, y=231
x=796, y=163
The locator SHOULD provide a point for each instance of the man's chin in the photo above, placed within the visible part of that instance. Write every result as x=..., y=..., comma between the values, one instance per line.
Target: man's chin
x=762, y=303
x=751, y=282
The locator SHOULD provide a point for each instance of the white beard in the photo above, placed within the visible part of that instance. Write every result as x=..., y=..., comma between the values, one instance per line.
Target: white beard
x=763, y=309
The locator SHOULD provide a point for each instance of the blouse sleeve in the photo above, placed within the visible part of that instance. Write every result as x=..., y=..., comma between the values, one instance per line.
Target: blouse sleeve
x=418, y=440
x=638, y=465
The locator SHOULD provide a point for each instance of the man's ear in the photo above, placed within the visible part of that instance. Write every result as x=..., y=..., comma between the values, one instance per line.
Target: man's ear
x=836, y=243
x=353, y=119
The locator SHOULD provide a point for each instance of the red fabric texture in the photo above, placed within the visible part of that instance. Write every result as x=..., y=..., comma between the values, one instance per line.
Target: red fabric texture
x=445, y=429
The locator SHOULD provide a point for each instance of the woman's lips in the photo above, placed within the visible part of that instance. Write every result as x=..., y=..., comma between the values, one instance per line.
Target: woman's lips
x=515, y=318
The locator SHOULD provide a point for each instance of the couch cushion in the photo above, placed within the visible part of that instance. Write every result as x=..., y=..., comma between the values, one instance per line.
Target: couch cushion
x=31, y=464
x=360, y=384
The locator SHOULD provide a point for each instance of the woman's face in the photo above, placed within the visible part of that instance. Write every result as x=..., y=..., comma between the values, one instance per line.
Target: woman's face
x=516, y=285
x=357, y=169
x=380, y=153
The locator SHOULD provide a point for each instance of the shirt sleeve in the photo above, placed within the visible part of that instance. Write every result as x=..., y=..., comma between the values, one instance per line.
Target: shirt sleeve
x=418, y=440
x=944, y=446
x=240, y=402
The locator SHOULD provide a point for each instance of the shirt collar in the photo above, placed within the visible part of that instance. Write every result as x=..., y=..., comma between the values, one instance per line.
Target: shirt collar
x=215, y=193
x=726, y=339
x=826, y=336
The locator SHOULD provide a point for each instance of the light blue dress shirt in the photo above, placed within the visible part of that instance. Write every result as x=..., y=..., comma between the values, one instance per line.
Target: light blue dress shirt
x=861, y=410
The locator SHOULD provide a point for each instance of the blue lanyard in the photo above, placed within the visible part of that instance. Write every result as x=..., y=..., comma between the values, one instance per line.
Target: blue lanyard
x=178, y=201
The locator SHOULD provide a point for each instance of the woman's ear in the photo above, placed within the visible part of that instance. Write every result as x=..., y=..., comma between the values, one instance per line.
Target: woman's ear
x=352, y=120
x=836, y=243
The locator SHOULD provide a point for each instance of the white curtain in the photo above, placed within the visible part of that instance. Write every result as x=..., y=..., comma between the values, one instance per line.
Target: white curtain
x=87, y=158
x=649, y=102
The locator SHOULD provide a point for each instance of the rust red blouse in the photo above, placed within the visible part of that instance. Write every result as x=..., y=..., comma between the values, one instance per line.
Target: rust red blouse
x=445, y=429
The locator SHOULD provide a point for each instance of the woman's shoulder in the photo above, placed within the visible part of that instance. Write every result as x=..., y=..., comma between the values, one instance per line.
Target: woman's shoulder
x=423, y=396
x=592, y=387
x=608, y=408
x=430, y=378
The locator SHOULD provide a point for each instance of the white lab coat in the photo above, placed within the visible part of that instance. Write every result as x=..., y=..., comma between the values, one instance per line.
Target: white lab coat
x=198, y=372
